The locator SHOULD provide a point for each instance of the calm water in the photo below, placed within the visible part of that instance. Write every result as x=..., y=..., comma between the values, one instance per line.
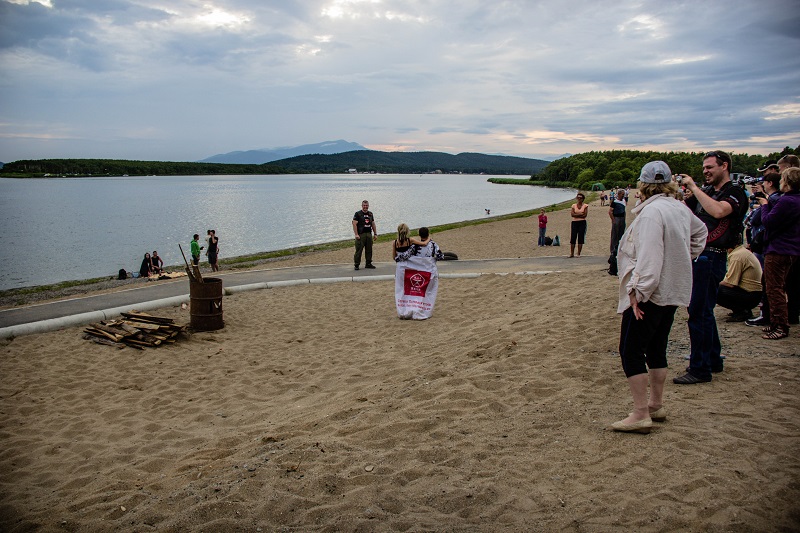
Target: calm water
x=63, y=229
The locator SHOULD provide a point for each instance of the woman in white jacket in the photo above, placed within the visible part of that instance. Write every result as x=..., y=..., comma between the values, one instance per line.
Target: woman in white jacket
x=655, y=272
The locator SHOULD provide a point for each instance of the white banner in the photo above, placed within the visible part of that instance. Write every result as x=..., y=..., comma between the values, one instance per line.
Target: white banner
x=416, y=283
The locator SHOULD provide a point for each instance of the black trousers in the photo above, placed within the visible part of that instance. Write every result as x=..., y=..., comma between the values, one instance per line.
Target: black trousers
x=737, y=299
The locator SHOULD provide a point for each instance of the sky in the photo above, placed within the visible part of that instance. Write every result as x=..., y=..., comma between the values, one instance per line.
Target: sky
x=182, y=80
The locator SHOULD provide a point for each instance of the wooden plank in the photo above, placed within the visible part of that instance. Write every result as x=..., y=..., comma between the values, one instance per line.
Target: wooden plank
x=103, y=341
x=144, y=317
x=143, y=325
x=103, y=334
x=134, y=342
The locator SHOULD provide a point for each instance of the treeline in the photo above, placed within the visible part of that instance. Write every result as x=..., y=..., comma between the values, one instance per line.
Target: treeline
x=412, y=163
x=121, y=167
x=361, y=161
x=618, y=168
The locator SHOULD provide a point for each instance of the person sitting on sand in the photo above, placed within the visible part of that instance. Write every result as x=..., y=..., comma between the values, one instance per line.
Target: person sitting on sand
x=404, y=241
x=655, y=261
x=146, y=269
x=579, y=211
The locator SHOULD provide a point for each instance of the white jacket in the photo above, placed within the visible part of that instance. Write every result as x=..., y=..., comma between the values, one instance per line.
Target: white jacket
x=656, y=252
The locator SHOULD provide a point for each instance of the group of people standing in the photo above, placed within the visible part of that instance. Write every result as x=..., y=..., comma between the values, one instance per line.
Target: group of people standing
x=212, y=250
x=675, y=253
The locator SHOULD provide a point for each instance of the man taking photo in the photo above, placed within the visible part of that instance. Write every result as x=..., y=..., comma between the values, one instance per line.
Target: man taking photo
x=721, y=206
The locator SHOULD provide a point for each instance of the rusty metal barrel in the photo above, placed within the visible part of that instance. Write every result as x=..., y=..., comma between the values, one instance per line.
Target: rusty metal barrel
x=205, y=301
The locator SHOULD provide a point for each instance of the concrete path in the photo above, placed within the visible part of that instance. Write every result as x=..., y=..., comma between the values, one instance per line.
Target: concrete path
x=83, y=310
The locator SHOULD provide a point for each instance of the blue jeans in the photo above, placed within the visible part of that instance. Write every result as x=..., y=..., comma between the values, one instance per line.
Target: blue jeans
x=542, y=232
x=707, y=271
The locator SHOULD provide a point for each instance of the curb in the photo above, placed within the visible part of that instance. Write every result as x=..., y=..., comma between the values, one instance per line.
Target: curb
x=53, y=324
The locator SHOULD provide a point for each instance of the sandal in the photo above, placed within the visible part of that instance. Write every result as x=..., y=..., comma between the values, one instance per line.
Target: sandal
x=769, y=329
x=776, y=333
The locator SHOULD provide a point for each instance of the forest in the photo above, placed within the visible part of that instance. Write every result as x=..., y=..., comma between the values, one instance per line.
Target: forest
x=618, y=168
x=122, y=167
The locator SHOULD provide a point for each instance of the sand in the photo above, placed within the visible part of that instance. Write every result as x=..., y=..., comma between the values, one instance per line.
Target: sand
x=316, y=409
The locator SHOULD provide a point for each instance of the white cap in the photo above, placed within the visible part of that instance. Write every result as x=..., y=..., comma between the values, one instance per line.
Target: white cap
x=655, y=172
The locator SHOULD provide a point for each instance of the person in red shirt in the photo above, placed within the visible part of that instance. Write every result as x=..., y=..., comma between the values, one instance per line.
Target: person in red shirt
x=542, y=227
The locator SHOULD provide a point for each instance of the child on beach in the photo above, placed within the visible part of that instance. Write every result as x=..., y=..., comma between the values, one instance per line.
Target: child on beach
x=542, y=228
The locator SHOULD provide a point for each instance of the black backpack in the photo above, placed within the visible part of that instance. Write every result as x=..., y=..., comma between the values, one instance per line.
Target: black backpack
x=122, y=274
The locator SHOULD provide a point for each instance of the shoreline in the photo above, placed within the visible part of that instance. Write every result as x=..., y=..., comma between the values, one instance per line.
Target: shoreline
x=33, y=294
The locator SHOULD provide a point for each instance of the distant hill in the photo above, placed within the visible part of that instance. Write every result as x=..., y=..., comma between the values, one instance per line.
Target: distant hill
x=258, y=157
x=412, y=163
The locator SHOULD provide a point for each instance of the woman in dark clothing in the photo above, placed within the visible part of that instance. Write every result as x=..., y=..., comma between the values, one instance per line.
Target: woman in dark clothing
x=147, y=266
x=782, y=223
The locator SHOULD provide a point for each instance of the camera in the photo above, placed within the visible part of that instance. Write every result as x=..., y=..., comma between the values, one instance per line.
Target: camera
x=678, y=178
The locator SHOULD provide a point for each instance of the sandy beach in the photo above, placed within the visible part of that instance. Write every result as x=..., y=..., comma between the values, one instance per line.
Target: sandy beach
x=316, y=409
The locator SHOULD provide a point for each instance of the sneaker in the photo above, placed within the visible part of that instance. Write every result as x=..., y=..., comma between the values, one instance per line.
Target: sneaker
x=713, y=370
x=369, y=266
x=689, y=379
x=758, y=322
x=356, y=267
x=740, y=317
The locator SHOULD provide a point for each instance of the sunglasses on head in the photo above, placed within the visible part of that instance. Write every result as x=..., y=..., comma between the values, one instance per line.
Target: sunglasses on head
x=719, y=155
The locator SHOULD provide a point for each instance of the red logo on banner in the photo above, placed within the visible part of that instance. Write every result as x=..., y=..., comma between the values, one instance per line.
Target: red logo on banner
x=416, y=282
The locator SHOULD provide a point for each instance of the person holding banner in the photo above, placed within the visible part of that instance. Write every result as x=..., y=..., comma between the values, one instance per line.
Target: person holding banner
x=404, y=241
x=417, y=278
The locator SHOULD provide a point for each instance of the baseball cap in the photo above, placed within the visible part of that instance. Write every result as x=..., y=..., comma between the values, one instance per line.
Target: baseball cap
x=767, y=165
x=655, y=172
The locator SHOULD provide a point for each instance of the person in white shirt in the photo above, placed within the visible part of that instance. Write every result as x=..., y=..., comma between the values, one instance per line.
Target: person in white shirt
x=655, y=271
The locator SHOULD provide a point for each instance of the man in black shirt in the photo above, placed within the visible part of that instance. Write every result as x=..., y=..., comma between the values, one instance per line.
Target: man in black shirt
x=722, y=206
x=363, y=227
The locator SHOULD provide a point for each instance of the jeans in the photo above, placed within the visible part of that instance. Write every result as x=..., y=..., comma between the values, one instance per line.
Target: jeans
x=707, y=271
x=617, y=230
x=542, y=232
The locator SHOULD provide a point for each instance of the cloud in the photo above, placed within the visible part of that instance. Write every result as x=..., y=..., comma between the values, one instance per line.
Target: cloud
x=514, y=76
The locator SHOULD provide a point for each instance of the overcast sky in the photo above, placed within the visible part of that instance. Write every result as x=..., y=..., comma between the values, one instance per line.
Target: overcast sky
x=182, y=80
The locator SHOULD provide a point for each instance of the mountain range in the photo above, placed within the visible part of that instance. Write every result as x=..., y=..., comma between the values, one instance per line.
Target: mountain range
x=410, y=163
x=259, y=157
x=344, y=156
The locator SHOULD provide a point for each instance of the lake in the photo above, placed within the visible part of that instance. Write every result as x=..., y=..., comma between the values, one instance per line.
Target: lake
x=78, y=228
